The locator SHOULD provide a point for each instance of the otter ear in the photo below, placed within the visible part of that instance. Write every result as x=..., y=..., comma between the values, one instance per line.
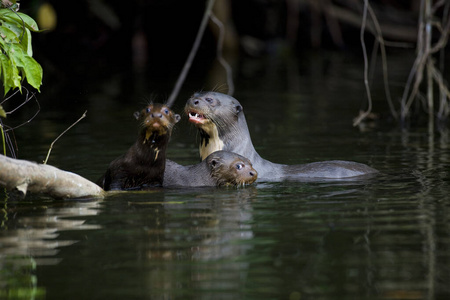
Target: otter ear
x=213, y=162
x=238, y=109
x=177, y=118
x=137, y=114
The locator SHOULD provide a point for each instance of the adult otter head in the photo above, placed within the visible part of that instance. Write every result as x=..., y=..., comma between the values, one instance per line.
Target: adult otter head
x=229, y=168
x=156, y=120
x=219, y=118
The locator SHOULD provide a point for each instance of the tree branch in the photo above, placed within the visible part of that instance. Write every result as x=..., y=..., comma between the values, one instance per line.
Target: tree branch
x=192, y=54
x=27, y=176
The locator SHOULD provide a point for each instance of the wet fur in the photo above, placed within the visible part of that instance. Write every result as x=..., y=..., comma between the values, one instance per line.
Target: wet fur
x=218, y=169
x=225, y=114
x=143, y=165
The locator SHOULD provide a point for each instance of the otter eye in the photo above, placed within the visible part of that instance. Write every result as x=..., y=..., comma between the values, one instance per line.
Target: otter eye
x=166, y=111
x=209, y=100
x=239, y=166
x=148, y=109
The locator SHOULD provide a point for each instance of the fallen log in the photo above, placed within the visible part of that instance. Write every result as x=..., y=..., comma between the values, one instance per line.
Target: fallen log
x=26, y=176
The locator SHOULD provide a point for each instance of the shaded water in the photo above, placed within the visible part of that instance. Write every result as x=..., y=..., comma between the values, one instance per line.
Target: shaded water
x=386, y=237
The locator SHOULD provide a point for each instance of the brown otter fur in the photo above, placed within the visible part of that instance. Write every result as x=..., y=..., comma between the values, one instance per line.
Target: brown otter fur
x=221, y=168
x=143, y=164
x=222, y=126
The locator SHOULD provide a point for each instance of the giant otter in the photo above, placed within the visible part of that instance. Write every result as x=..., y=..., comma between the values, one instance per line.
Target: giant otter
x=143, y=165
x=222, y=126
x=220, y=168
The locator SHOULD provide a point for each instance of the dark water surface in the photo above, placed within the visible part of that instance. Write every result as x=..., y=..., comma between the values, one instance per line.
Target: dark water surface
x=386, y=237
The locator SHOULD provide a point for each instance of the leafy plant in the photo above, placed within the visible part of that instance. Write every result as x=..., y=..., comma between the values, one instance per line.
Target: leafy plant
x=16, y=61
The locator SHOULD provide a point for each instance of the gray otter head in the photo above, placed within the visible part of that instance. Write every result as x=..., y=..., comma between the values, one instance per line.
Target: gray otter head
x=229, y=168
x=219, y=119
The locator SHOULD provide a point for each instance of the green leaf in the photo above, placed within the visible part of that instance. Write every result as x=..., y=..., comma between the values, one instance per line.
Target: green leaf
x=26, y=42
x=10, y=74
x=3, y=44
x=2, y=112
x=31, y=70
x=16, y=61
x=14, y=27
x=16, y=54
x=23, y=35
x=6, y=71
x=8, y=35
x=19, y=18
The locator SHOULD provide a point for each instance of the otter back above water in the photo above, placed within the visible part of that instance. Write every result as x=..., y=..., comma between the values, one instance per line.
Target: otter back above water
x=221, y=121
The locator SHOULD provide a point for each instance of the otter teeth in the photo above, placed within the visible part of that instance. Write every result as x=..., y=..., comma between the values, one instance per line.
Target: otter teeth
x=195, y=115
x=196, y=118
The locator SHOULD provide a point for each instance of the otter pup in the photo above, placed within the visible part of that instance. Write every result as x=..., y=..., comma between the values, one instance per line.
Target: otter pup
x=143, y=164
x=222, y=126
x=221, y=168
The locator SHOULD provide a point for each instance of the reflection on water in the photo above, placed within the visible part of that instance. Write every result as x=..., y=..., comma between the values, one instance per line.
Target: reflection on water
x=385, y=237
x=200, y=245
x=36, y=234
x=29, y=238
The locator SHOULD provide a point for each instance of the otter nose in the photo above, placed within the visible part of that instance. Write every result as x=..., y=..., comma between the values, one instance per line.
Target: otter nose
x=252, y=173
x=157, y=115
x=196, y=101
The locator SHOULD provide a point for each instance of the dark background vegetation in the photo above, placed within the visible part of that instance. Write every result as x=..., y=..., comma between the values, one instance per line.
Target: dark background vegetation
x=94, y=36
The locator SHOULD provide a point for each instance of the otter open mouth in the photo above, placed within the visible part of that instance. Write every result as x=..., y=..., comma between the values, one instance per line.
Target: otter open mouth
x=196, y=118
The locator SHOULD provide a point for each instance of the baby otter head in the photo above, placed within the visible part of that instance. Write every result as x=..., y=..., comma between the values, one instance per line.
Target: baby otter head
x=229, y=168
x=157, y=120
